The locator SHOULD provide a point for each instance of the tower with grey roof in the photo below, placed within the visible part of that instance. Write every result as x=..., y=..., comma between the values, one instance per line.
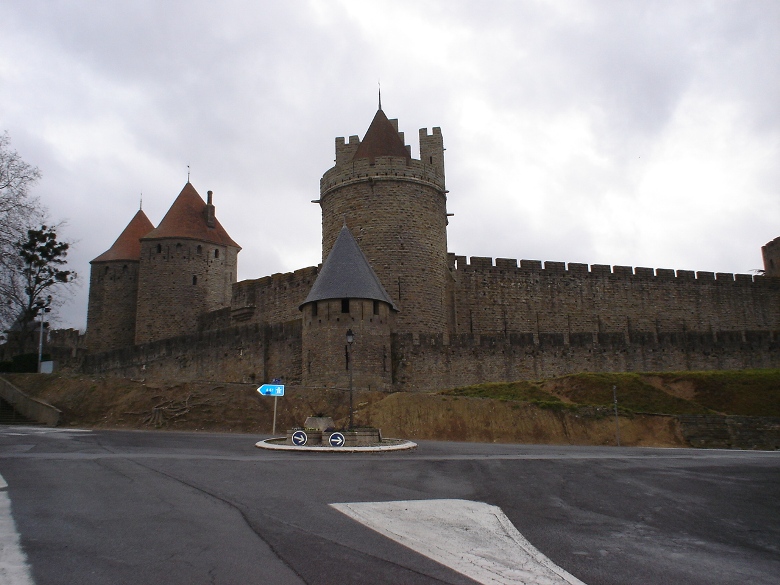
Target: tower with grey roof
x=347, y=295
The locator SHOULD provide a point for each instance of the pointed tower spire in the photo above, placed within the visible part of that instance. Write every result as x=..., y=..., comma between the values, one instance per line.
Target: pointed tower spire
x=381, y=139
x=128, y=244
x=347, y=274
x=190, y=217
x=380, y=95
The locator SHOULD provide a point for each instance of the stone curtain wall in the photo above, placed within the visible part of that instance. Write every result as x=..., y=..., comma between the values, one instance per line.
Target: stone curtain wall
x=248, y=353
x=271, y=299
x=581, y=304
x=434, y=362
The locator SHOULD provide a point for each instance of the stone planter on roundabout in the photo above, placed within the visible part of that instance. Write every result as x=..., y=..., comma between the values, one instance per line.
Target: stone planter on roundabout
x=319, y=434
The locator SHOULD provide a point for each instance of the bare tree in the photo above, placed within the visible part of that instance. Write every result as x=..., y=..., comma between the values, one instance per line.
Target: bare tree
x=19, y=212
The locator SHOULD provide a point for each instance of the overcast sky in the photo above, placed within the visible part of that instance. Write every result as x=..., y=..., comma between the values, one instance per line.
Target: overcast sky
x=605, y=132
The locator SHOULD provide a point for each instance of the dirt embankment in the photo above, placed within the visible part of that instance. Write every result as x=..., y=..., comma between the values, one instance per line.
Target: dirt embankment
x=88, y=401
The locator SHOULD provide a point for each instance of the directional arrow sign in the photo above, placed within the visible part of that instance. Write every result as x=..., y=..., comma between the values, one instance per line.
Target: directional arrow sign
x=299, y=438
x=336, y=440
x=271, y=390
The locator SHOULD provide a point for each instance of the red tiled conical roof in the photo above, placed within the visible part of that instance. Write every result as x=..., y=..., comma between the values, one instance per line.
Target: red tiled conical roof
x=187, y=219
x=128, y=244
x=381, y=139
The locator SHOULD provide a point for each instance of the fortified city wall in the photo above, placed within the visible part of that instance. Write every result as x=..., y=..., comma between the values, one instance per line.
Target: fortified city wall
x=250, y=353
x=578, y=302
x=271, y=299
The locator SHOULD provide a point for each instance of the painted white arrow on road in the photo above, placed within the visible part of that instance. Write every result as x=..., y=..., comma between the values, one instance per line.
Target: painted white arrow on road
x=472, y=538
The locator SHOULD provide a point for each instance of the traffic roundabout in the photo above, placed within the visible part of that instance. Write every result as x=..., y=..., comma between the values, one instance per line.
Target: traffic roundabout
x=282, y=444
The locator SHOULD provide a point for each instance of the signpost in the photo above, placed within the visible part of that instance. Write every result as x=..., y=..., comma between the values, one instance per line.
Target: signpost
x=276, y=390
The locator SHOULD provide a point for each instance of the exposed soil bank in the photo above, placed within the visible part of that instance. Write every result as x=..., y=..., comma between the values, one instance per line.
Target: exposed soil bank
x=88, y=401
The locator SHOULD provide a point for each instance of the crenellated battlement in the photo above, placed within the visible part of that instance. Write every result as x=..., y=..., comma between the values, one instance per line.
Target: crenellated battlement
x=548, y=268
x=771, y=255
x=273, y=298
x=432, y=148
x=387, y=168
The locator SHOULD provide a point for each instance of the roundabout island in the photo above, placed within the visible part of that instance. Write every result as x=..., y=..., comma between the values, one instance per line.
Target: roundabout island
x=281, y=444
x=318, y=435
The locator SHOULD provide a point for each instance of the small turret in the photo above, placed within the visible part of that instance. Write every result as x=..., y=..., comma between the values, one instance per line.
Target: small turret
x=347, y=296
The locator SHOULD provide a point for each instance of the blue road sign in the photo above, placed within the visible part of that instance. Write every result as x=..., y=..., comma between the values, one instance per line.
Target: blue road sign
x=299, y=438
x=271, y=389
x=336, y=440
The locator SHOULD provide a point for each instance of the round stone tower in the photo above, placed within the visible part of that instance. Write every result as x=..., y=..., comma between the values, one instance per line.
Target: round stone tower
x=396, y=207
x=347, y=297
x=113, y=289
x=188, y=266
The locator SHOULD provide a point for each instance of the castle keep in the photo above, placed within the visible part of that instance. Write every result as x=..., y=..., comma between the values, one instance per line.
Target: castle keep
x=164, y=301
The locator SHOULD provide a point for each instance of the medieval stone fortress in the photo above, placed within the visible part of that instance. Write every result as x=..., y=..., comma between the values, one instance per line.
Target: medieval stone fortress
x=165, y=301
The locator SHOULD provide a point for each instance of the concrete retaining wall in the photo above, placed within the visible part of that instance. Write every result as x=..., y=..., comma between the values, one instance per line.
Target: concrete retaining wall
x=28, y=406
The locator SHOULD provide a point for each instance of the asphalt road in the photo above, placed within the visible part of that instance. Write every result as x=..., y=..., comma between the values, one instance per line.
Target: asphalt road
x=113, y=507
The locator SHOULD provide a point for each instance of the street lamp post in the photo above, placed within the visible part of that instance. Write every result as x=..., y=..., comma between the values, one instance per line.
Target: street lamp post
x=43, y=308
x=350, y=340
x=617, y=420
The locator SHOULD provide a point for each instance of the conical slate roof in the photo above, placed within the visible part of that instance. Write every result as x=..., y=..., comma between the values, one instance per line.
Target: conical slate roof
x=187, y=219
x=346, y=274
x=381, y=139
x=128, y=244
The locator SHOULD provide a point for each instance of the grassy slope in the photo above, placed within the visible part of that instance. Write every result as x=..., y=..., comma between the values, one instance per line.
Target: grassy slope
x=746, y=392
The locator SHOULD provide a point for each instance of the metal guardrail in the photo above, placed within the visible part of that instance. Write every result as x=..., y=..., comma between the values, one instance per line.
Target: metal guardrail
x=28, y=406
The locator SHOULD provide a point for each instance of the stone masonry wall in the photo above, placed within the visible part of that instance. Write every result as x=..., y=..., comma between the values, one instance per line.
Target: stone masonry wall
x=581, y=303
x=179, y=280
x=272, y=299
x=111, y=310
x=432, y=362
x=324, y=344
x=248, y=353
x=396, y=210
x=771, y=255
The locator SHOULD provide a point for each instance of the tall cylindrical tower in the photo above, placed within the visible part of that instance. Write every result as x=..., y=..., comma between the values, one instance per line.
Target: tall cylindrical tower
x=188, y=266
x=113, y=289
x=396, y=207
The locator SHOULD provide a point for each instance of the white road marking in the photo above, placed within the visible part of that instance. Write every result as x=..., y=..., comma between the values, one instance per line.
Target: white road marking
x=14, y=569
x=472, y=538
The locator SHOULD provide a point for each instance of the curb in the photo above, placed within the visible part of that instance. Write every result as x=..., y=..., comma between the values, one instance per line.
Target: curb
x=395, y=446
